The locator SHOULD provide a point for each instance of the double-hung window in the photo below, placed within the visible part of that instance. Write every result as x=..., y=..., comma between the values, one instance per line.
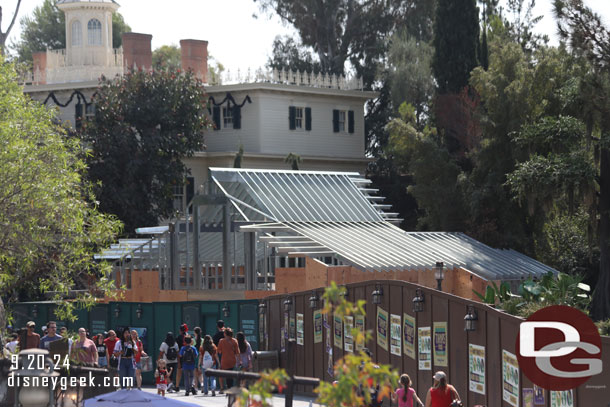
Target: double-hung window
x=227, y=117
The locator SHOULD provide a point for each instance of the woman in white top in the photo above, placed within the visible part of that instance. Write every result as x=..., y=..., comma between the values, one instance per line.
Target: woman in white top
x=168, y=351
x=125, y=350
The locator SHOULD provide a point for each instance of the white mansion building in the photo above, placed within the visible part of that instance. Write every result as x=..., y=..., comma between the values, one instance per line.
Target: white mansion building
x=271, y=114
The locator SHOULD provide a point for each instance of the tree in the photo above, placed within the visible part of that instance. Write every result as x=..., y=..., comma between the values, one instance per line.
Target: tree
x=294, y=160
x=289, y=54
x=46, y=28
x=50, y=225
x=456, y=38
x=238, y=157
x=4, y=35
x=144, y=125
x=167, y=57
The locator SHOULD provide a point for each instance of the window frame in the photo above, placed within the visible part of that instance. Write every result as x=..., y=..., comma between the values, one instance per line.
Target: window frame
x=94, y=32
x=78, y=32
x=342, y=124
x=299, y=121
x=224, y=117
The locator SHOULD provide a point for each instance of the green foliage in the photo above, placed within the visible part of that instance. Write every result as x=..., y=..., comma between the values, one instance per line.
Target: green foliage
x=456, y=38
x=238, y=157
x=260, y=393
x=46, y=28
x=603, y=327
x=167, y=57
x=294, y=160
x=144, y=125
x=51, y=226
x=495, y=294
x=289, y=54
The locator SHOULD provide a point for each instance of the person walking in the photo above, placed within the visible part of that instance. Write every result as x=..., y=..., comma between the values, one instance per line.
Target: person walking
x=406, y=395
x=220, y=333
x=189, y=357
x=441, y=394
x=102, y=354
x=180, y=341
x=125, y=350
x=168, y=351
x=198, y=340
x=228, y=349
x=161, y=376
x=208, y=357
x=51, y=335
x=138, y=357
x=84, y=350
x=31, y=340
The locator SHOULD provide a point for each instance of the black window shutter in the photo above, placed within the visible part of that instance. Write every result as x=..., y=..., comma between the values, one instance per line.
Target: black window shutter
x=236, y=117
x=350, y=121
x=78, y=115
x=308, y=118
x=335, y=121
x=291, y=115
x=216, y=117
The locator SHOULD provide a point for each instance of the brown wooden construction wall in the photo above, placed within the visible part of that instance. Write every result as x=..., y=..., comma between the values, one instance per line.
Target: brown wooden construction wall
x=496, y=331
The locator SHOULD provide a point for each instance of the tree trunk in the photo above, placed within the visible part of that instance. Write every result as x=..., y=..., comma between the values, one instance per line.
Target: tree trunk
x=601, y=296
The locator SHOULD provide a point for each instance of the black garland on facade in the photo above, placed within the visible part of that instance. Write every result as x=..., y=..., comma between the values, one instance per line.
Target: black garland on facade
x=235, y=109
x=79, y=106
x=230, y=98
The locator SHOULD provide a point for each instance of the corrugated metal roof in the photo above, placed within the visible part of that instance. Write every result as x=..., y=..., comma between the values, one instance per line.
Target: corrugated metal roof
x=380, y=246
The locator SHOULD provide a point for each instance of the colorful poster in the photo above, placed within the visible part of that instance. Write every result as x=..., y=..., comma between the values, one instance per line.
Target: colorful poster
x=359, y=323
x=539, y=396
x=300, y=330
x=348, y=325
x=293, y=325
x=528, y=397
x=395, y=335
x=562, y=398
x=409, y=334
x=476, y=363
x=424, y=341
x=382, y=328
x=338, y=332
x=317, y=326
x=282, y=339
x=510, y=378
x=440, y=344
x=329, y=343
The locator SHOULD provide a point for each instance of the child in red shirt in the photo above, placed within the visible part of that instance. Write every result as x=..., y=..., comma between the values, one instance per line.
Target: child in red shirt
x=161, y=375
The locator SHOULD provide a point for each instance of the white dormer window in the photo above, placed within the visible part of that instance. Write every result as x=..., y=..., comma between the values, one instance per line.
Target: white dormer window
x=227, y=118
x=77, y=33
x=94, y=32
x=298, y=117
x=342, y=116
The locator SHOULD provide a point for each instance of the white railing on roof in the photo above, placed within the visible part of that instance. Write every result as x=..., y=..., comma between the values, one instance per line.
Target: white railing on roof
x=298, y=78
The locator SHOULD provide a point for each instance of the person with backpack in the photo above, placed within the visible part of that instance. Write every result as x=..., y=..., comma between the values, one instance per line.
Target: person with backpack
x=208, y=357
x=198, y=340
x=168, y=351
x=442, y=394
x=188, y=357
x=406, y=395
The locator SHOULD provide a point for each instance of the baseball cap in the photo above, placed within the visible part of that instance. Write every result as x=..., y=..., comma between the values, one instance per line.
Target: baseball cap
x=30, y=323
x=439, y=375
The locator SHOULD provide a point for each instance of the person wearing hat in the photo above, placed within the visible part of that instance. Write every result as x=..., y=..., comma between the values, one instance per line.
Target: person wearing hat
x=441, y=394
x=32, y=339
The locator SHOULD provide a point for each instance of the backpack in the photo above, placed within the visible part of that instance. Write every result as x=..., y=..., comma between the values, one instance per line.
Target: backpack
x=208, y=360
x=189, y=356
x=171, y=354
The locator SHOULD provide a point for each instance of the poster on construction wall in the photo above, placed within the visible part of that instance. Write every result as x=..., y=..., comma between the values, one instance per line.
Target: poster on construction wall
x=476, y=368
x=441, y=349
x=409, y=336
x=300, y=330
x=338, y=329
x=395, y=335
x=317, y=326
x=510, y=378
x=348, y=325
x=424, y=341
x=359, y=324
x=382, y=328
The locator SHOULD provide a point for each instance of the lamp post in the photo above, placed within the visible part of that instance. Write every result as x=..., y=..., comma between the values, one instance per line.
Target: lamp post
x=470, y=320
x=34, y=364
x=377, y=294
x=439, y=275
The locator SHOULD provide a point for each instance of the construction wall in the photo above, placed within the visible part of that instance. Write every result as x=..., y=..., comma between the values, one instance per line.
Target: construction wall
x=496, y=331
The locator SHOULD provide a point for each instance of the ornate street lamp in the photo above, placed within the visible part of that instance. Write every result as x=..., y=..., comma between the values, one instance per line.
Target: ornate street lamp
x=377, y=294
x=139, y=311
x=418, y=301
x=313, y=300
x=287, y=304
x=117, y=311
x=262, y=308
x=470, y=320
x=439, y=275
x=35, y=311
x=226, y=311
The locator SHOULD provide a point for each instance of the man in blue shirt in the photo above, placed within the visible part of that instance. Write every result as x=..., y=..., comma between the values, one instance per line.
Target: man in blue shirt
x=50, y=336
x=189, y=357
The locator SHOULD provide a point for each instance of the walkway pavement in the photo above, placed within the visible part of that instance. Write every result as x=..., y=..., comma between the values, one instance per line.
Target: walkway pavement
x=221, y=400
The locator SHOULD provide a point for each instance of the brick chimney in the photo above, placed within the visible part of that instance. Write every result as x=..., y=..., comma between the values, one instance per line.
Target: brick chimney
x=39, y=67
x=137, y=50
x=195, y=57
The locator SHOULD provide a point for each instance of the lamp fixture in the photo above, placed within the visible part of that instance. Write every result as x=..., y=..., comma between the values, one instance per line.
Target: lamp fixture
x=226, y=311
x=117, y=311
x=377, y=294
x=262, y=308
x=313, y=300
x=439, y=275
x=34, y=311
x=418, y=301
x=139, y=311
x=287, y=304
x=470, y=320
